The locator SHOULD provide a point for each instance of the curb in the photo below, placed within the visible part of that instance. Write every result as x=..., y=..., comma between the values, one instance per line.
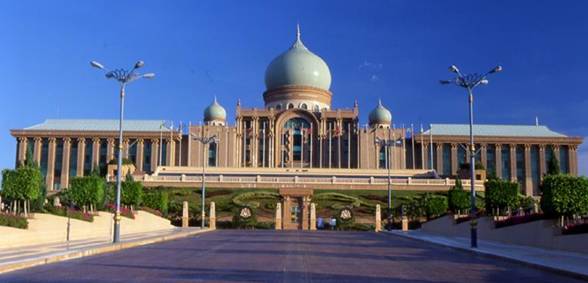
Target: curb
x=106, y=248
x=498, y=256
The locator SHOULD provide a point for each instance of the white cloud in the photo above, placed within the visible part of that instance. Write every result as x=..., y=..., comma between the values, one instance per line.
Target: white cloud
x=372, y=69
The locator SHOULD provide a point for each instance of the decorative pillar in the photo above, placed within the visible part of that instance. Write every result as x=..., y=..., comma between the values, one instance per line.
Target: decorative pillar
x=425, y=156
x=110, y=149
x=278, y=225
x=498, y=160
x=185, y=215
x=154, y=154
x=572, y=160
x=49, y=178
x=453, y=159
x=65, y=163
x=171, y=152
x=125, y=148
x=312, y=221
x=513, y=162
x=439, y=147
x=37, y=150
x=378, y=226
x=528, y=172
x=212, y=216
x=484, y=155
x=81, y=153
x=22, y=149
x=95, y=153
x=140, y=145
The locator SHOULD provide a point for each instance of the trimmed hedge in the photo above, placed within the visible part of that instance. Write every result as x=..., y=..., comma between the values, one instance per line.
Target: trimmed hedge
x=564, y=195
x=14, y=221
x=157, y=200
x=86, y=191
x=501, y=195
x=458, y=199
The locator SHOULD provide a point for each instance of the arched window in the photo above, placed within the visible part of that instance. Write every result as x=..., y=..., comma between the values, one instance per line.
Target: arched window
x=279, y=107
x=317, y=108
x=290, y=105
x=298, y=126
x=303, y=106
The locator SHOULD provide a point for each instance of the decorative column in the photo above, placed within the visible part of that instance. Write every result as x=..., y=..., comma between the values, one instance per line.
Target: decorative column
x=171, y=152
x=513, y=162
x=453, y=158
x=212, y=216
x=140, y=145
x=312, y=221
x=95, y=153
x=278, y=225
x=425, y=156
x=378, y=225
x=439, y=158
x=81, y=157
x=573, y=160
x=125, y=148
x=65, y=163
x=484, y=155
x=49, y=178
x=528, y=172
x=37, y=150
x=542, y=170
x=154, y=153
x=498, y=152
x=22, y=149
x=254, y=144
x=110, y=149
x=556, y=149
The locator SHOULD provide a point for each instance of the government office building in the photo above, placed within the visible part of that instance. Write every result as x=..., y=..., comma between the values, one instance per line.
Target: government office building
x=296, y=140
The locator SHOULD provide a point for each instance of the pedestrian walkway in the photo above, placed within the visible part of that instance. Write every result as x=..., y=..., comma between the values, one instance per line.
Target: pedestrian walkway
x=554, y=260
x=27, y=256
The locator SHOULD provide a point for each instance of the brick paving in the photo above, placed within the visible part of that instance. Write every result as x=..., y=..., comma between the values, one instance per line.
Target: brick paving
x=287, y=256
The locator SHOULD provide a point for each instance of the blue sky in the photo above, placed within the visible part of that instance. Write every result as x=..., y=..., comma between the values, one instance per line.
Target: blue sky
x=393, y=50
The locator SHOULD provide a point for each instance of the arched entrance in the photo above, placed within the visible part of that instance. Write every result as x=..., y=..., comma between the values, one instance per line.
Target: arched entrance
x=296, y=131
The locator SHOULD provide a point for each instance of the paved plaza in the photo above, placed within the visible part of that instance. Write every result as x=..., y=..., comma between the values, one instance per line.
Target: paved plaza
x=287, y=256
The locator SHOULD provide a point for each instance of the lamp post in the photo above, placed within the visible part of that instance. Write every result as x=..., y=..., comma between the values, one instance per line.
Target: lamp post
x=204, y=140
x=123, y=77
x=388, y=144
x=469, y=82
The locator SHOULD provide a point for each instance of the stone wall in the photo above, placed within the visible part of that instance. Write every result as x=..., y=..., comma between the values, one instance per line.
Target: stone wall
x=542, y=234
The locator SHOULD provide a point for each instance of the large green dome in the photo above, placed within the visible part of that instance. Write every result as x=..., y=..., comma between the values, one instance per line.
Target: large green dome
x=298, y=66
x=380, y=115
x=215, y=112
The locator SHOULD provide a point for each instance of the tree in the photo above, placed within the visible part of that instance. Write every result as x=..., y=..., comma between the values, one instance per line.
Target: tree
x=553, y=166
x=131, y=192
x=564, y=195
x=501, y=195
x=87, y=192
x=22, y=185
x=458, y=199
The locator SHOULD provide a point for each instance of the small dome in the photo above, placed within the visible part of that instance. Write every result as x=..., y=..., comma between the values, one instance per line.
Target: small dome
x=380, y=115
x=215, y=112
x=298, y=66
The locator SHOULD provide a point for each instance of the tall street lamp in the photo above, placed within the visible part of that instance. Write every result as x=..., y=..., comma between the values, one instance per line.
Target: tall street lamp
x=204, y=140
x=123, y=77
x=469, y=82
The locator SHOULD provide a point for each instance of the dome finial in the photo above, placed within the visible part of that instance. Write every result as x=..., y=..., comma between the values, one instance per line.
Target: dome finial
x=298, y=43
x=380, y=102
x=298, y=32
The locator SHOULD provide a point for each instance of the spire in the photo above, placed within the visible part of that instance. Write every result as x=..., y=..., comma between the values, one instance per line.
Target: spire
x=214, y=101
x=380, y=103
x=298, y=43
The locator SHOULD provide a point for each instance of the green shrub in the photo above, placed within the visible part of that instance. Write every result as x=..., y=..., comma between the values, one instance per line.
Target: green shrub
x=87, y=191
x=131, y=192
x=252, y=199
x=527, y=203
x=501, y=195
x=22, y=184
x=14, y=221
x=564, y=195
x=458, y=199
x=433, y=206
x=158, y=200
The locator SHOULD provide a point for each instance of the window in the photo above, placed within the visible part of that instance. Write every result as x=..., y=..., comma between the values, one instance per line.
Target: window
x=564, y=159
x=447, y=159
x=304, y=106
x=58, y=164
x=505, y=151
x=88, y=157
x=73, y=159
x=212, y=154
x=297, y=124
x=290, y=105
x=44, y=156
x=317, y=108
x=382, y=158
x=491, y=159
x=147, y=156
x=278, y=107
x=520, y=154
